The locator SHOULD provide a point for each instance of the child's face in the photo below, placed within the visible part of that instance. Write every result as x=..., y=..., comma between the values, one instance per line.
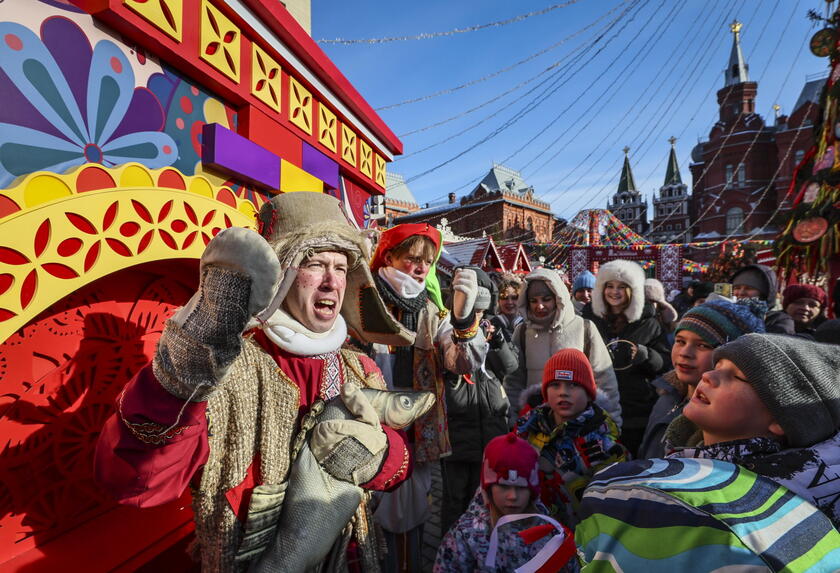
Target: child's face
x=726, y=407
x=541, y=302
x=691, y=356
x=583, y=295
x=508, y=301
x=510, y=499
x=566, y=400
x=616, y=294
x=413, y=263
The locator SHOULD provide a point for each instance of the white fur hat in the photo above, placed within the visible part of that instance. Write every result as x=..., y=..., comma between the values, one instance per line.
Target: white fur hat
x=628, y=273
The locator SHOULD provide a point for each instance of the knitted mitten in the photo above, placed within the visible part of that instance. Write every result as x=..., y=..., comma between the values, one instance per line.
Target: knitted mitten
x=239, y=272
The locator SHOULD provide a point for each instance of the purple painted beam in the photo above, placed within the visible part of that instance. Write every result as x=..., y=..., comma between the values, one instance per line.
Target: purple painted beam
x=316, y=163
x=229, y=152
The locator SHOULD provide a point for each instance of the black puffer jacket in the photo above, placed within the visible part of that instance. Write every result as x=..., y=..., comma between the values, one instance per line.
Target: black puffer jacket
x=634, y=375
x=477, y=409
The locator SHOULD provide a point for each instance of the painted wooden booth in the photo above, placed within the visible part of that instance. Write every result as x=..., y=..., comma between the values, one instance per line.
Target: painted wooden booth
x=668, y=259
x=131, y=132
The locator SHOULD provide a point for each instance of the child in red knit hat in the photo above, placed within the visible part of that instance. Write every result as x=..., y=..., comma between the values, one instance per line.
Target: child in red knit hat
x=573, y=435
x=493, y=535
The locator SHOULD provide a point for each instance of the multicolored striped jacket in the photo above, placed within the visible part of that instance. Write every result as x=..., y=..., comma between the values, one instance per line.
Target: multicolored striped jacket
x=693, y=515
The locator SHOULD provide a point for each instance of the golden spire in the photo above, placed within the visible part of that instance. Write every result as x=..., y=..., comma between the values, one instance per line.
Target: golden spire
x=735, y=27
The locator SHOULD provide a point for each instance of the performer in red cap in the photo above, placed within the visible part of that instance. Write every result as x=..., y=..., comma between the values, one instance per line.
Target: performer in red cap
x=404, y=272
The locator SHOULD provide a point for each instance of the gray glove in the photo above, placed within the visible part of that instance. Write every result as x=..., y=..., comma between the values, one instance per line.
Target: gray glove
x=351, y=450
x=238, y=276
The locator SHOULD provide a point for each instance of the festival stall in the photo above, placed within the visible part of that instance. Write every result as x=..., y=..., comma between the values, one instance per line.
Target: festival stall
x=809, y=246
x=131, y=132
x=596, y=236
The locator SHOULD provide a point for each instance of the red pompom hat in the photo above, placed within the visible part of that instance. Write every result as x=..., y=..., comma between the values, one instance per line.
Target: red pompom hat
x=569, y=365
x=510, y=460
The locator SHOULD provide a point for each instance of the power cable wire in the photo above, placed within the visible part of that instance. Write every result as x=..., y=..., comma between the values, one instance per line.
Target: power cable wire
x=431, y=35
x=522, y=113
x=499, y=72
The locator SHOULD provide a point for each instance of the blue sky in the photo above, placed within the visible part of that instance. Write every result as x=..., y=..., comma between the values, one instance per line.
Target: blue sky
x=653, y=73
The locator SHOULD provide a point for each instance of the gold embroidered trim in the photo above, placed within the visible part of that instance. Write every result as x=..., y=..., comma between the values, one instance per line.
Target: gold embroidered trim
x=148, y=432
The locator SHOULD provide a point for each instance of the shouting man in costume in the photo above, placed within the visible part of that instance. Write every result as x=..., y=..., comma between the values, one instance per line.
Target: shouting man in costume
x=235, y=375
x=404, y=271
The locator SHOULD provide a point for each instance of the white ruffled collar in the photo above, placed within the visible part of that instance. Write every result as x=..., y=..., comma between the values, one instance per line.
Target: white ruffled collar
x=404, y=285
x=293, y=337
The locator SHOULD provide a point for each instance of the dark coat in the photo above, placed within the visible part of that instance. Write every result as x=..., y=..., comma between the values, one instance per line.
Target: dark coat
x=502, y=324
x=477, y=409
x=652, y=358
x=668, y=406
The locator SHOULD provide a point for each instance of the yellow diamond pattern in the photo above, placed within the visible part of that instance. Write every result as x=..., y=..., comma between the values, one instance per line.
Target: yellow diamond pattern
x=327, y=127
x=165, y=15
x=220, y=41
x=348, y=145
x=300, y=106
x=265, y=78
x=380, y=170
x=365, y=158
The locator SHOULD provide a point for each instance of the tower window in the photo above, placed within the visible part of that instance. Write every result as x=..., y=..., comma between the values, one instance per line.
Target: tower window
x=734, y=219
x=730, y=172
x=798, y=156
x=742, y=175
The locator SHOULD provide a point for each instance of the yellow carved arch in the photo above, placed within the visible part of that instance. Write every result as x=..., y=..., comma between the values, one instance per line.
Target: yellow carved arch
x=67, y=232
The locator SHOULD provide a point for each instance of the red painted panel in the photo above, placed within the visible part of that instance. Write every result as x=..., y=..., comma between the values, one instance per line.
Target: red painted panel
x=266, y=132
x=59, y=377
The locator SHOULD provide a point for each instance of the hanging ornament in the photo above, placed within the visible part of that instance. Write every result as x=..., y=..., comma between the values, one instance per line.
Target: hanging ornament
x=811, y=229
x=822, y=42
x=811, y=191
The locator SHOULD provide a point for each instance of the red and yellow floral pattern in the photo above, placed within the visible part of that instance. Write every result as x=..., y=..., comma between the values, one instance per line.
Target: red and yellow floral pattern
x=60, y=232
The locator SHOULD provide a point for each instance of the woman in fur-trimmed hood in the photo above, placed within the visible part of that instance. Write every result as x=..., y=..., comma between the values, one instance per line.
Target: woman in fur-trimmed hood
x=537, y=338
x=635, y=338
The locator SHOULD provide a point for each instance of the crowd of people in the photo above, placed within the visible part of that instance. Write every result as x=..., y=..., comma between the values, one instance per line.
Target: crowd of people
x=577, y=424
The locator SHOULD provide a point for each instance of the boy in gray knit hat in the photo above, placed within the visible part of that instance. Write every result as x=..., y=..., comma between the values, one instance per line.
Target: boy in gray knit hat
x=772, y=405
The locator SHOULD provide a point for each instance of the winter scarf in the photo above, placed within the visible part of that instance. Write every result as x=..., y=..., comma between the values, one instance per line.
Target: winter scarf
x=407, y=312
x=570, y=453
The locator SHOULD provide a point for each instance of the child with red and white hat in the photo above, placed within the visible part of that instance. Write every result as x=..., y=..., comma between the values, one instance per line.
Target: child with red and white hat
x=505, y=525
x=573, y=435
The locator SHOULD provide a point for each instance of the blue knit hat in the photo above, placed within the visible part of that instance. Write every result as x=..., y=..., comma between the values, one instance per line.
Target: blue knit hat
x=583, y=280
x=720, y=321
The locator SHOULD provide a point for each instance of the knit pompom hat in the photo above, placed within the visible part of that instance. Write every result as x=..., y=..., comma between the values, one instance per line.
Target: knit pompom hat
x=627, y=272
x=798, y=380
x=584, y=279
x=510, y=460
x=720, y=321
x=569, y=365
x=797, y=291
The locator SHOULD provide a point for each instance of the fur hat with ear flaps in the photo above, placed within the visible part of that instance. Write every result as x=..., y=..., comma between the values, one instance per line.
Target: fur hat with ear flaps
x=628, y=273
x=298, y=225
